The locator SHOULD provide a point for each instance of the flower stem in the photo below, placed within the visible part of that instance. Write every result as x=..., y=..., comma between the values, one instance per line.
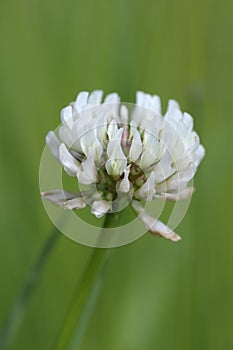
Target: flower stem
x=19, y=307
x=82, y=305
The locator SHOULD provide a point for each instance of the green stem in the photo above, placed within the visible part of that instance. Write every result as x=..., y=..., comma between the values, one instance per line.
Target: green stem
x=19, y=307
x=82, y=305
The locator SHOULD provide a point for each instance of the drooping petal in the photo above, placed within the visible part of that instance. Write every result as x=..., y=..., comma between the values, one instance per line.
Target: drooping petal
x=75, y=203
x=65, y=199
x=58, y=195
x=158, y=228
x=153, y=225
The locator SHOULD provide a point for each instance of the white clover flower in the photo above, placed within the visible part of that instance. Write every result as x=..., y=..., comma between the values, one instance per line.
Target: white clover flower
x=119, y=153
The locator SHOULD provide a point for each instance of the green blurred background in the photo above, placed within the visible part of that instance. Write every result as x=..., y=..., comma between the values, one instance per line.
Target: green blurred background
x=156, y=295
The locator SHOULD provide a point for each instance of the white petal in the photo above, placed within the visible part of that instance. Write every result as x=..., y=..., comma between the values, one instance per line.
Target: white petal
x=89, y=143
x=64, y=199
x=124, y=114
x=184, y=194
x=178, y=181
x=188, y=121
x=151, y=149
x=112, y=129
x=172, y=106
x=140, y=97
x=100, y=124
x=81, y=100
x=66, y=135
x=87, y=174
x=71, y=165
x=156, y=104
x=115, y=166
x=136, y=145
x=153, y=225
x=75, y=203
x=198, y=155
x=157, y=227
x=54, y=144
x=58, y=195
x=95, y=97
x=67, y=116
x=150, y=144
x=163, y=169
x=193, y=142
x=171, y=186
x=147, y=190
x=99, y=208
x=148, y=101
x=187, y=174
x=112, y=98
x=115, y=141
x=117, y=161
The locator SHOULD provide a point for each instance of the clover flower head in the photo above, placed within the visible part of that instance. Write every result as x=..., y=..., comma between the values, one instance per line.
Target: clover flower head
x=122, y=155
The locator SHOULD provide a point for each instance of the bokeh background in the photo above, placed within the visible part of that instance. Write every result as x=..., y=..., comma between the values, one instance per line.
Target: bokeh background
x=156, y=295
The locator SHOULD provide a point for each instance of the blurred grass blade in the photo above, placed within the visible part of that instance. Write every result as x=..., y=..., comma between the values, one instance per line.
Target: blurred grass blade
x=19, y=307
x=84, y=301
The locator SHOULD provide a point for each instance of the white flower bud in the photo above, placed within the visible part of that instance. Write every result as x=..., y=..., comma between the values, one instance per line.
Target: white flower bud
x=99, y=208
x=124, y=185
x=117, y=161
x=136, y=144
